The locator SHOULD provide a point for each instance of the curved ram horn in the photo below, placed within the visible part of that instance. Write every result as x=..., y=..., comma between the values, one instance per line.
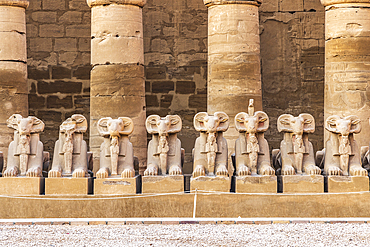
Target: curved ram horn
x=224, y=121
x=128, y=126
x=263, y=121
x=176, y=123
x=331, y=123
x=240, y=118
x=12, y=121
x=38, y=125
x=198, y=121
x=284, y=123
x=309, y=123
x=355, y=124
x=151, y=124
x=103, y=126
x=81, y=122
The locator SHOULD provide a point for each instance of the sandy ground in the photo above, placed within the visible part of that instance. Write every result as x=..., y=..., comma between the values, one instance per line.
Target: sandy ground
x=187, y=235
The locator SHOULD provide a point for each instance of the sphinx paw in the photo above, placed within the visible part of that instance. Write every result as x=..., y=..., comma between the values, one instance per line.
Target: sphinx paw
x=199, y=171
x=312, y=170
x=267, y=170
x=128, y=173
x=243, y=171
x=333, y=171
x=222, y=171
x=34, y=172
x=54, y=174
x=357, y=171
x=151, y=171
x=11, y=172
x=175, y=170
x=79, y=173
x=102, y=173
x=288, y=170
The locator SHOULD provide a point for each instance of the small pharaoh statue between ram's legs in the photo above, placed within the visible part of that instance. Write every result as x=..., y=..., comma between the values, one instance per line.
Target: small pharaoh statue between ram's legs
x=68, y=151
x=298, y=149
x=163, y=149
x=211, y=149
x=344, y=151
x=23, y=150
x=252, y=144
x=114, y=151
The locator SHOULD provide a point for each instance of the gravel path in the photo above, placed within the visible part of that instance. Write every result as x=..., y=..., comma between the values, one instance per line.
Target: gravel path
x=187, y=235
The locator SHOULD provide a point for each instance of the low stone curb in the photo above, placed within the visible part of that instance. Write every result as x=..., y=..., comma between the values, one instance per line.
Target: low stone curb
x=172, y=222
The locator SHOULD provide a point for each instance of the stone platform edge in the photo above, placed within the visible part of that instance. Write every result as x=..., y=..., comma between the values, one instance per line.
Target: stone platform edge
x=179, y=221
x=187, y=205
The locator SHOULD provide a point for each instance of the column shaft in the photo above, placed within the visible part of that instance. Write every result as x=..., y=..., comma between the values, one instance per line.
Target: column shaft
x=13, y=66
x=117, y=78
x=234, y=74
x=347, y=62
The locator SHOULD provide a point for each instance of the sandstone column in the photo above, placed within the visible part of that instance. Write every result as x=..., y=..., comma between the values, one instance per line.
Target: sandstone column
x=13, y=66
x=234, y=74
x=347, y=61
x=117, y=77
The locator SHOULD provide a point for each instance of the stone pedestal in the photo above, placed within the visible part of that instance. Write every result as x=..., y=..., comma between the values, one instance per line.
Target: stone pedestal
x=301, y=184
x=13, y=66
x=339, y=184
x=116, y=186
x=68, y=186
x=347, y=56
x=22, y=186
x=162, y=184
x=256, y=184
x=210, y=183
x=234, y=73
x=117, y=87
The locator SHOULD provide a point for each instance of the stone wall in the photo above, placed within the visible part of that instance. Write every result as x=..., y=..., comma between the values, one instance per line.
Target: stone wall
x=58, y=47
x=175, y=43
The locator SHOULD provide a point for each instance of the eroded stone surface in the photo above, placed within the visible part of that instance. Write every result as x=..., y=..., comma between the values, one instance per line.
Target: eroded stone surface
x=25, y=153
x=342, y=154
x=116, y=152
x=296, y=151
x=252, y=154
x=70, y=152
x=164, y=150
x=210, y=157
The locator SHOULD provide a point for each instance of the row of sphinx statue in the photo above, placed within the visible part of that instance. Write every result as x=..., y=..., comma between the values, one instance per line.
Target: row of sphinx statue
x=210, y=153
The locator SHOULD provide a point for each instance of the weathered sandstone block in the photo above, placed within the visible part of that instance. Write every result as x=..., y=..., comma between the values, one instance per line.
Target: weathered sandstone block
x=116, y=186
x=301, y=183
x=68, y=186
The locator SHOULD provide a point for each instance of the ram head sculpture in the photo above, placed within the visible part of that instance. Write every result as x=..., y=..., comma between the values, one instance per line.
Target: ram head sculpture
x=210, y=152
